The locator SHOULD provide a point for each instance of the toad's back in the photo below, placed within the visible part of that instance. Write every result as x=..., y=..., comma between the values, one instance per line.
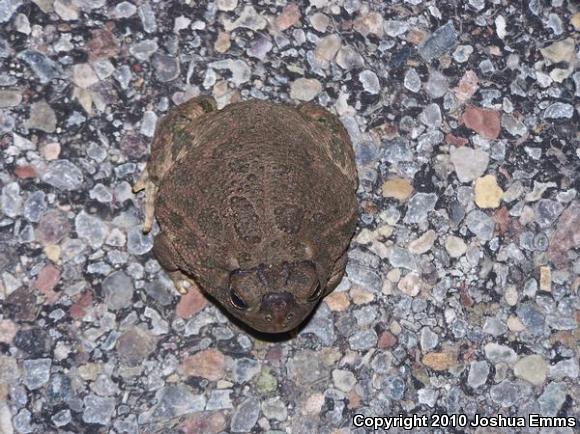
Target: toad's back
x=259, y=182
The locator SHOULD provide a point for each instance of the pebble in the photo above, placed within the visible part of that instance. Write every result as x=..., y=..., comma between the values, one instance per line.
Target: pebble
x=239, y=69
x=348, y=58
x=219, y=399
x=305, y=89
x=363, y=340
x=223, y=44
x=245, y=369
x=469, y=163
x=395, y=28
x=148, y=123
x=260, y=48
x=343, y=379
x=431, y=116
x=10, y=98
x=411, y=284
x=190, y=303
x=566, y=235
x=248, y=19
x=139, y=243
x=64, y=175
x=11, y=200
x=125, y=10
x=98, y=410
x=36, y=373
x=135, y=345
x=370, y=82
x=441, y=41
x=531, y=368
x=485, y=122
x=175, y=400
x=560, y=51
x=289, y=17
x=423, y=243
x=437, y=85
x=552, y=399
x=166, y=67
x=91, y=228
x=369, y=24
x=143, y=50
x=513, y=125
x=480, y=224
x=506, y=393
x=327, y=47
x=275, y=408
x=394, y=387
x=44, y=68
x=497, y=353
x=559, y=110
x=227, y=5
x=147, y=16
x=208, y=364
x=420, y=205
x=478, y=373
x=319, y=22
x=427, y=396
x=118, y=290
x=487, y=193
x=397, y=188
x=442, y=361
x=455, y=246
x=547, y=211
x=428, y=339
x=246, y=415
x=42, y=117
x=84, y=76
x=462, y=53
x=412, y=81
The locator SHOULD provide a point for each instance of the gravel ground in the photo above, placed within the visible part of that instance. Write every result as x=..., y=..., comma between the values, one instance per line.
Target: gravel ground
x=462, y=287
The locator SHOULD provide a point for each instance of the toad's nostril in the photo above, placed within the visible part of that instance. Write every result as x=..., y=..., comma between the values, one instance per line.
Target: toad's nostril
x=268, y=318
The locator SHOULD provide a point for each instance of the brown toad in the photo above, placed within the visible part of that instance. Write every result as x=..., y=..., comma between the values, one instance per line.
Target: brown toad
x=256, y=203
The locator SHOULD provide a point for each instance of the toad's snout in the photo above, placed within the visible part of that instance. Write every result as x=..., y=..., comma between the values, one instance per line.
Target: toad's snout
x=278, y=308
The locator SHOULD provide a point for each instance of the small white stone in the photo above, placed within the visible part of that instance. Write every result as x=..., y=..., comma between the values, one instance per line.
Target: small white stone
x=305, y=89
x=500, y=26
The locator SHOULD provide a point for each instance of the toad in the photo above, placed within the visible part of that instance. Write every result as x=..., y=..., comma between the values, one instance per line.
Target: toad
x=255, y=203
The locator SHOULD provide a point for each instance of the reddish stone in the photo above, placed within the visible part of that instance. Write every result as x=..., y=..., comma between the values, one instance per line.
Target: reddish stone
x=190, y=303
x=566, y=237
x=502, y=218
x=289, y=17
x=79, y=309
x=204, y=422
x=484, y=122
x=25, y=172
x=102, y=44
x=274, y=353
x=208, y=364
x=45, y=282
x=7, y=331
x=464, y=296
x=455, y=140
x=133, y=146
x=387, y=340
x=353, y=400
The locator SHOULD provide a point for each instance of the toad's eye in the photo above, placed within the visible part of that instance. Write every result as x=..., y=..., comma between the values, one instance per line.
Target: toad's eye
x=316, y=293
x=236, y=300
